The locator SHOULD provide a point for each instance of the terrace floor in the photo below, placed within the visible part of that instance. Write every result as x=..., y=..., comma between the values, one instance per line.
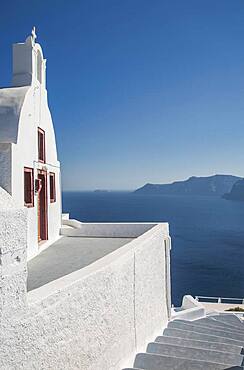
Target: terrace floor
x=220, y=306
x=67, y=255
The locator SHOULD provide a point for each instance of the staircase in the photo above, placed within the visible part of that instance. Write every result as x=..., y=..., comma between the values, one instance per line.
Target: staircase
x=214, y=342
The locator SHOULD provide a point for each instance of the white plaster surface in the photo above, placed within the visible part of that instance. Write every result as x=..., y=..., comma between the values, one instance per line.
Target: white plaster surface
x=11, y=103
x=97, y=317
x=6, y=166
x=190, y=302
x=190, y=309
x=116, y=230
x=65, y=216
x=6, y=201
x=13, y=271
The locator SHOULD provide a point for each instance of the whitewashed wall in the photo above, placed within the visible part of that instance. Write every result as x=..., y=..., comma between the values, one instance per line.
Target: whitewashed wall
x=13, y=266
x=5, y=166
x=97, y=317
x=108, y=229
x=35, y=113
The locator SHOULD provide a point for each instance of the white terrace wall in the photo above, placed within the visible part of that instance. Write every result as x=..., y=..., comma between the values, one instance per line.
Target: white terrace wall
x=98, y=317
x=108, y=229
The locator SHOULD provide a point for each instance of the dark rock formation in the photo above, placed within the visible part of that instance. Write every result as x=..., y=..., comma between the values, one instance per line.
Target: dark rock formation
x=237, y=191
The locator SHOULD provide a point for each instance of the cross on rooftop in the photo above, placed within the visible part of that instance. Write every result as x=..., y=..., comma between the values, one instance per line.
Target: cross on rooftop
x=33, y=33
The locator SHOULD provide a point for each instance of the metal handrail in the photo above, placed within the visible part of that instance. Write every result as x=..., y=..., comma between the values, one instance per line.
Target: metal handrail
x=219, y=299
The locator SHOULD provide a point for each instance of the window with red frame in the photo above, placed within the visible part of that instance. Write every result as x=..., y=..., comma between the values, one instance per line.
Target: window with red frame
x=29, y=187
x=41, y=146
x=52, y=187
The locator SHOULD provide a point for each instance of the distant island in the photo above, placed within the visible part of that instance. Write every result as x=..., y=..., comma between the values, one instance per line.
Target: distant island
x=217, y=185
x=237, y=192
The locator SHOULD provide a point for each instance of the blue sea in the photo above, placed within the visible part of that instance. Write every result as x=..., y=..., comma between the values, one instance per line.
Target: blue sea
x=207, y=256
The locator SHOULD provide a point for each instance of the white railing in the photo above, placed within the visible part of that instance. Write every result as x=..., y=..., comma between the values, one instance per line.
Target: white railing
x=219, y=299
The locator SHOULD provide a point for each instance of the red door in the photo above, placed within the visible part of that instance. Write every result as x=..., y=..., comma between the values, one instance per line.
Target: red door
x=42, y=207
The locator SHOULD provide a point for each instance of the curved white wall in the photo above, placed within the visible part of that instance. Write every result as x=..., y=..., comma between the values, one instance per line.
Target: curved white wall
x=97, y=317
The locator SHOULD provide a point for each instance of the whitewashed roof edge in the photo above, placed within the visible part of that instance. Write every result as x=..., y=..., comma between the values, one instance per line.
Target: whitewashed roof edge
x=11, y=103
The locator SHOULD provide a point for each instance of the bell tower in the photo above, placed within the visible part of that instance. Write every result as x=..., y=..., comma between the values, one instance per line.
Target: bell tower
x=29, y=66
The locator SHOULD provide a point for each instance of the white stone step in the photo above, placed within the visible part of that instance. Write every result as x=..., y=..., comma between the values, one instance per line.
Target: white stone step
x=211, y=343
x=229, y=319
x=200, y=336
x=195, y=354
x=205, y=330
x=200, y=344
x=212, y=323
x=148, y=361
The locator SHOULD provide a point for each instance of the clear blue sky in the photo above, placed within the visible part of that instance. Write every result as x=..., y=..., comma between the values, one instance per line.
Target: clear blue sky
x=140, y=90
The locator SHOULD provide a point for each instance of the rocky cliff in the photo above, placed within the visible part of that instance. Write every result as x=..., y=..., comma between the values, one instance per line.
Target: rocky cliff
x=211, y=185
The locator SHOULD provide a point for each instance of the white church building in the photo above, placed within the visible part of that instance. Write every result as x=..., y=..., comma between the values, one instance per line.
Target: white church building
x=99, y=297
x=30, y=170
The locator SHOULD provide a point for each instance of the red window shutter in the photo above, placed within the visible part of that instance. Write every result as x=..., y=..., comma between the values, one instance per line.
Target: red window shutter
x=29, y=187
x=41, y=145
x=52, y=187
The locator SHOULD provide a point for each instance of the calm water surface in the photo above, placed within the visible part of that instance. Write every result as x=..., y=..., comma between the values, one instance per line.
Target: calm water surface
x=207, y=256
